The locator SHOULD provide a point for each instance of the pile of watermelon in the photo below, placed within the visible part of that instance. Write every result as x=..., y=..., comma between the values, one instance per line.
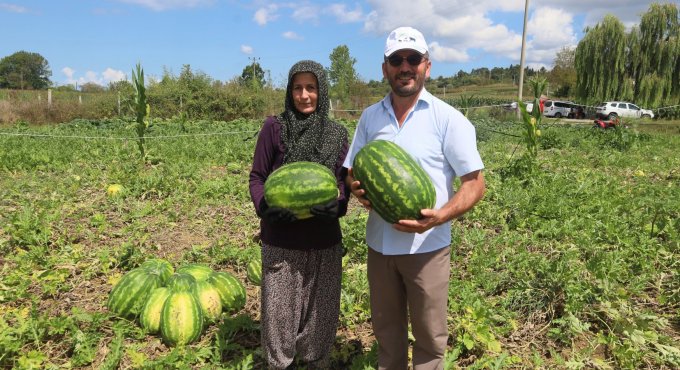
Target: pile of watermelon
x=178, y=304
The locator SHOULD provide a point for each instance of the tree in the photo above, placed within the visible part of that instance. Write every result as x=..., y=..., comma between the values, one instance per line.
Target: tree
x=253, y=75
x=91, y=87
x=24, y=70
x=342, y=75
x=655, y=56
x=600, y=62
x=563, y=74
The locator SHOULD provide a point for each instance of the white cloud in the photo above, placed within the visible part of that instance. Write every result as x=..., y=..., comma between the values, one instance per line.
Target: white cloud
x=265, y=15
x=12, y=8
x=340, y=12
x=160, y=5
x=291, y=35
x=446, y=54
x=109, y=75
x=246, y=49
x=68, y=72
x=112, y=75
x=306, y=13
x=459, y=28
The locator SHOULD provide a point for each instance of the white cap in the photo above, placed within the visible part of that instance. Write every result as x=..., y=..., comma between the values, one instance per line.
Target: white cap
x=405, y=38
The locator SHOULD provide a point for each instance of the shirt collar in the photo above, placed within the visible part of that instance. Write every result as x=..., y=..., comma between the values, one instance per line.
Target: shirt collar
x=424, y=98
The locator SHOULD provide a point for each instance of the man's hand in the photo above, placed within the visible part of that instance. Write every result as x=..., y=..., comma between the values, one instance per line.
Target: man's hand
x=357, y=191
x=430, y=219
x=469, y=193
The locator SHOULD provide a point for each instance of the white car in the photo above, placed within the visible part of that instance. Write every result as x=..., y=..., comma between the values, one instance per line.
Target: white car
x=556, y=108
x=613, y=109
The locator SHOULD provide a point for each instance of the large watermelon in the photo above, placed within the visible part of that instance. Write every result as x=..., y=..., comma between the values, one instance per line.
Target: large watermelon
x=128, y=296
x=397, y=187
x=181, y=318
x=198, y=271
x=150, y=317
x=298, y=186
x=232, y=292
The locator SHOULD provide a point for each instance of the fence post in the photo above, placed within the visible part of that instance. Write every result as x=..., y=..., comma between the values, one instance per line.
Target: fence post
x=49, y=98
x=118, y=103
x=80, y=100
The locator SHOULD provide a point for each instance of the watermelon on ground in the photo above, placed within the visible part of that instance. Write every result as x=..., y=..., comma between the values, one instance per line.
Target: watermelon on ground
x=254, y=271
x=150, y=317
x=198, y=271
x=181, y=318
x=209, y=298
x=128, y=296
x=232, y=292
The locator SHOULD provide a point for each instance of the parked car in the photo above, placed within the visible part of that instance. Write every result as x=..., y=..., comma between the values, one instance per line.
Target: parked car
x=557, y=109
x=613, y=109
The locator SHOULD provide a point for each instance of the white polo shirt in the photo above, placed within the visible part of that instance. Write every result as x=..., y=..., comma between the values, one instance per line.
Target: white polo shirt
x=441, y=140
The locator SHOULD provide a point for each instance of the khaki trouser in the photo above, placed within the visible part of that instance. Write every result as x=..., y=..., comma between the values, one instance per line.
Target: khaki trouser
x=416, y=284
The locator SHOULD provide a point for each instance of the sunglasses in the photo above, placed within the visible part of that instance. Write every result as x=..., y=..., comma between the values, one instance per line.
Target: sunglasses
x=412, y=59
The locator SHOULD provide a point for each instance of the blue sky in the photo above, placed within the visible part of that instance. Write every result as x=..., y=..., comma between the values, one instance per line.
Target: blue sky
x=101, y=40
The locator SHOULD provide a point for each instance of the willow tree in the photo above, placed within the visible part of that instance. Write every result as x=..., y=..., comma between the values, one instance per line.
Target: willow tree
x=600, y=62
x=655, y=53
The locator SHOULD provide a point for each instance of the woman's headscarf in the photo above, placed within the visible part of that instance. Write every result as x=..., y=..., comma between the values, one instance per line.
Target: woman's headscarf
x=312, y=137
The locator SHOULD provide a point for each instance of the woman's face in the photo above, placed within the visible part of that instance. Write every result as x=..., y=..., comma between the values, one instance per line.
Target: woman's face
x=305, y=92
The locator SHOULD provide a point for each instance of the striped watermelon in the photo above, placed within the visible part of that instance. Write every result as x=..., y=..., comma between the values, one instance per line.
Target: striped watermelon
x=298, y=186
x=209, y=298
x=160, y=267
x=150, y=317
x=181, y=318
x=232, y=292
x=181, y=282
x=397, y=187
x=254, y=271
x=198, y=271
x=128, y=296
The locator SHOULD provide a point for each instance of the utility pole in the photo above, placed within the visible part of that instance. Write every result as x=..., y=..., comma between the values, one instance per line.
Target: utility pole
x=521, y=60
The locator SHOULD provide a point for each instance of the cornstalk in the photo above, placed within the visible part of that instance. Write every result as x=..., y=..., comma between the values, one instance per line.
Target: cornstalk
x=140, y=107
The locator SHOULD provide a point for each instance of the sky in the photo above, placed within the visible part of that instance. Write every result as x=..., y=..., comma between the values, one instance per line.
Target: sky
x=101, y=41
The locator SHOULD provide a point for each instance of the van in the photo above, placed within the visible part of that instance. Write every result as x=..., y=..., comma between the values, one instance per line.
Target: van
x=557, y=109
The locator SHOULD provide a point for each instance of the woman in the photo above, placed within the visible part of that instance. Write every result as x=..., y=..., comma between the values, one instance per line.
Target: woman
x=301, y=259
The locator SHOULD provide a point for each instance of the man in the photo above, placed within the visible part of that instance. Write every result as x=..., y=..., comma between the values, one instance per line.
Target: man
x=409, y=261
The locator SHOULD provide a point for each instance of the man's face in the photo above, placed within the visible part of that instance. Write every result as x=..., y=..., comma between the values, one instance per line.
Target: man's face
x=404, y=78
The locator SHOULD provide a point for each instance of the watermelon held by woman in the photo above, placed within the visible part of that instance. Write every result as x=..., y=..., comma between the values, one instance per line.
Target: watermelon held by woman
x=298, y=186
x=395, y=184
